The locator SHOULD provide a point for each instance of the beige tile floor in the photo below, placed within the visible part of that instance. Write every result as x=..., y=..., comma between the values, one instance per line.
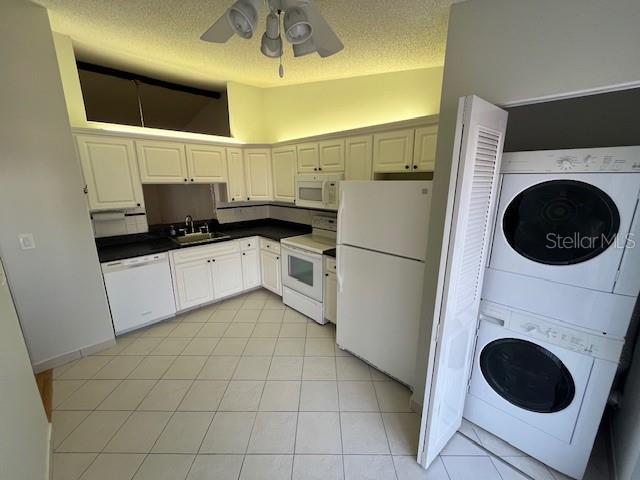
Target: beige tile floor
x=245, y=389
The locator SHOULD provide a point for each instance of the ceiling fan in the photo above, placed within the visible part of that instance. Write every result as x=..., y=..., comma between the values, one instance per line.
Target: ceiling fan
x=299, y=21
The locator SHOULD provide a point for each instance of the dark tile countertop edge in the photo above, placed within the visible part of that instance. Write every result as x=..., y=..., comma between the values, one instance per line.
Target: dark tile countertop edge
x=330, y=253
x=111, y=249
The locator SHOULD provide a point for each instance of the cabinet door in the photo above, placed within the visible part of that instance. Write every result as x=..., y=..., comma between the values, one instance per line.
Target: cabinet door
x=162, y=162
x=258, y=168
x=359, y=155
x=236, y=190
x=424, y=151
x=308, y=159
x=227, y=275
x=331, y=155
x=110, y=172
x=206, y=164
x=393, y=151
x=194, y=283
x=271, y=275
x=284, y=171
x=330, y=297
x=250, y=269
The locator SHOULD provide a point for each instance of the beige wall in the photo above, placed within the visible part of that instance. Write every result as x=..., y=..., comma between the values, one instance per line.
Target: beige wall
x=24, y=439
x=70, y=80
x=516, y=50
x=296, y=111
x=57, y=287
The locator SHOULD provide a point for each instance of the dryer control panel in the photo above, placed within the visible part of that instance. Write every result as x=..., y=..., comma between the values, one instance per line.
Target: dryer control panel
x=610, y=159
x=553, y=332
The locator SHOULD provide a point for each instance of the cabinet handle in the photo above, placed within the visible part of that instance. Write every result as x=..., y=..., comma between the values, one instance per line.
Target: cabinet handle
x=185, y=179
x=326, y=274
x=415, y=167
x=248, y=199
x=319, y=168
x=192, y=179
x=233, y=199
x=315, y=169
x=277, y=258
x=208, y=261
x=213, y=259
x=244, y=254
x=406, y=166
x=138, y=204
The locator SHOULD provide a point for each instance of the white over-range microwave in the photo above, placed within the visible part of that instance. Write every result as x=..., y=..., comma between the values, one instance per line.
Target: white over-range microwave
x=318, y=191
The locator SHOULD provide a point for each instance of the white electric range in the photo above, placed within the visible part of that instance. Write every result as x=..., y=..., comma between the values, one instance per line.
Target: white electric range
x=302, y=267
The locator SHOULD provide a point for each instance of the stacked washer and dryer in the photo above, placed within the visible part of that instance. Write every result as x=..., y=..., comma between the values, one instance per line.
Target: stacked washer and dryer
x=559, y=291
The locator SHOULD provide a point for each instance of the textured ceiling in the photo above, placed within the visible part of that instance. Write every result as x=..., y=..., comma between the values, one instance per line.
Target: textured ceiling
x=161, y=38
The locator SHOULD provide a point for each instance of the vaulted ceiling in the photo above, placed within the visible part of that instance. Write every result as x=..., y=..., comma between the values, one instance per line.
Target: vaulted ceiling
x=161, y=38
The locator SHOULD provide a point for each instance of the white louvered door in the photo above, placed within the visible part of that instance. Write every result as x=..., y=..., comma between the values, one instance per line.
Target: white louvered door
x=470, y=213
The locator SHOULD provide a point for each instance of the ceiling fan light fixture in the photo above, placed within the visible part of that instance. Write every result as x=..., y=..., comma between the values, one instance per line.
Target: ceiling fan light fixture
x=243, y=17
x=273, y=26
x=297, y=27
x=304, y=48
x=271, y=47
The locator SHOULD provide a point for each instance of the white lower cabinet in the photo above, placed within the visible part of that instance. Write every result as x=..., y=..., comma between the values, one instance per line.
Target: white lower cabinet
x=271, y=274
x=211, y=272
x=193, y=283
x=227, y=275
x=250, y=264
x=330, y=297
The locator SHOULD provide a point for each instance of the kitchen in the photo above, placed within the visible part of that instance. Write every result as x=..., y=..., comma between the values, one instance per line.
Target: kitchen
x=198, y=318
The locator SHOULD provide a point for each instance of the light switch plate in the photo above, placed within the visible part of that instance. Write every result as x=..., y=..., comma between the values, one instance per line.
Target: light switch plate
x=26, y=241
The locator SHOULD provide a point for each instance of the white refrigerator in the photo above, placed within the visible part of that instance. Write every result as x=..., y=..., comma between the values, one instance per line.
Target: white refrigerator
x=381, y=251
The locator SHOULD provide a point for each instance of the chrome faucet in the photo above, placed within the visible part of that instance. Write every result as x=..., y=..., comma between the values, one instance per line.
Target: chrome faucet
x=188, y=223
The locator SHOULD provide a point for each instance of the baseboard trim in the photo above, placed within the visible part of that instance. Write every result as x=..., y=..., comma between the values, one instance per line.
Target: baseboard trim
x=85, y=351
x=49, y=463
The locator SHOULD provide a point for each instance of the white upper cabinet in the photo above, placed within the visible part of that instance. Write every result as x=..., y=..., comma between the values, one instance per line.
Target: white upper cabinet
x=110, y=172
x=236, y=189
x=331, y=155
x=308, y=158
x=424, y=151
x=206, y=163
x=358, y=158
x=393, y=151
x=258, y=171
x=284, y=171
x=162, y=162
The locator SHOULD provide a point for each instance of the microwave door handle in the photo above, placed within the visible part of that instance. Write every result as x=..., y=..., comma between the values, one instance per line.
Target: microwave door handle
x=325, y=187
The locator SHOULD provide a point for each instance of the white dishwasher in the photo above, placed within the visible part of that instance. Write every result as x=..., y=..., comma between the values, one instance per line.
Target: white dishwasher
x=140, y=291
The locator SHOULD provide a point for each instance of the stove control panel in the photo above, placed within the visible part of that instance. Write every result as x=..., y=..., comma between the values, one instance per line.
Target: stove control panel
x=543, y=329
x=610, y=159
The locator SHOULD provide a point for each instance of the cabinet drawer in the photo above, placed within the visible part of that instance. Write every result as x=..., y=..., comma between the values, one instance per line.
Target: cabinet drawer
x=250, y=243
x=205, y=251
x=270, y=245
x=329, y=264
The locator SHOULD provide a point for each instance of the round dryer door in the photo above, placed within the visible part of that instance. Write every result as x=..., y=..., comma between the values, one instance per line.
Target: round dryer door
x=561, y=222
x=527, y=375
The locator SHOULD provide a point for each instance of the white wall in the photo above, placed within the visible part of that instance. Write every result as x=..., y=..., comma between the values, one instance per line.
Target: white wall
x=57, y=286
x=24, y=442
x=515, y=50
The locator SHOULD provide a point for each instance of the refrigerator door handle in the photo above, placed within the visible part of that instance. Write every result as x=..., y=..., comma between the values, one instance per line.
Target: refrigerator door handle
x=339, y=276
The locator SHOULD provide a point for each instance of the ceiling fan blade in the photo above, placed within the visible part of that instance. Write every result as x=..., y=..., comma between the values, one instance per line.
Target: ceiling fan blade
x=219, y=32
x=326, y=41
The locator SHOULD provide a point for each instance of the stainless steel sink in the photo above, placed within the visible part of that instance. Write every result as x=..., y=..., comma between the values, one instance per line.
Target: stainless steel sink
x=196, y=238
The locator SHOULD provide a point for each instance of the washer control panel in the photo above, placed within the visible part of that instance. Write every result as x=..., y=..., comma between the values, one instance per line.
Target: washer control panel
x=611, y=159
x=552, y=332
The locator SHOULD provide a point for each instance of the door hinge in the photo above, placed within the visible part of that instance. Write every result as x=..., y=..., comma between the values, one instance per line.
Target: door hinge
x=85, y=189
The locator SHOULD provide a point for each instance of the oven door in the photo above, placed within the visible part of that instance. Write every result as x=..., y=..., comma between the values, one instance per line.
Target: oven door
x=309, y=193
x=302, y=271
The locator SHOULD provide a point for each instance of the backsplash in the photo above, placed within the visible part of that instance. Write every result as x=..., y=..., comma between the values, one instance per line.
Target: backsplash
x=277, y=212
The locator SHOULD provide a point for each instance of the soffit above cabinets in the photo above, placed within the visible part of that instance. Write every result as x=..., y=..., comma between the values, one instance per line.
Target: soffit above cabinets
x=162, y=38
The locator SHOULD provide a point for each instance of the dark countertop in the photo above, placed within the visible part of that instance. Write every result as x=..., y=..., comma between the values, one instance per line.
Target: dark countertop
x=330, y=253
x=136, y=245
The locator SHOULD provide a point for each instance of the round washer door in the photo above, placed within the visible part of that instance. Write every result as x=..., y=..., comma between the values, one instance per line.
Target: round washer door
x=561, y=222
x=527, y=375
